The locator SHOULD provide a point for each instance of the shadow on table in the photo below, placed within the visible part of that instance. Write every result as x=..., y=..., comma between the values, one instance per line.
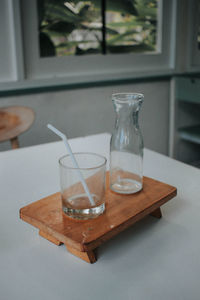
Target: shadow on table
x=145, y=239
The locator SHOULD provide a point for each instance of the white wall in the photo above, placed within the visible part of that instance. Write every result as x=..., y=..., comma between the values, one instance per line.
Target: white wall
x=80, y=112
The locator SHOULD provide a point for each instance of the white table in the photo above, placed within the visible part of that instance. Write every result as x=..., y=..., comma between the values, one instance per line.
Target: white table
x=154, y=259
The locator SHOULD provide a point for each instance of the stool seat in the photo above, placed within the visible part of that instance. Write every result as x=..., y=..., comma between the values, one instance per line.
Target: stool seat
x=15, y=120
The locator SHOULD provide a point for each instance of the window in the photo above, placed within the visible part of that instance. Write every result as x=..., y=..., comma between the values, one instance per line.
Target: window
x=69, y=27
x=77, y=68
x=133, y=27
x=55, y=42
x=97, y=27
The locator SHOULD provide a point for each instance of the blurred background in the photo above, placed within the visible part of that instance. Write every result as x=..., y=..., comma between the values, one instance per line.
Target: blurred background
x=64, y=59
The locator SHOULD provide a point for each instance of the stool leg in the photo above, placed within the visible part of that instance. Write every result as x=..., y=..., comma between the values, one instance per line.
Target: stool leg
x=89, y=256
x=14, y=143
x=157, y=213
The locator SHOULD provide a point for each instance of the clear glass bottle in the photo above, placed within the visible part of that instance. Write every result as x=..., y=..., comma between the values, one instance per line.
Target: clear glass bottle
x=126, y=146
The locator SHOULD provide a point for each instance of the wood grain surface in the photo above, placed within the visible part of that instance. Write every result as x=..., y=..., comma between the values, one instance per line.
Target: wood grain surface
x=14, y=120
x=85, y=235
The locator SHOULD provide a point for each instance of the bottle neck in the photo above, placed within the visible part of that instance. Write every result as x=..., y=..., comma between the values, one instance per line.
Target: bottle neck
x=127, y=119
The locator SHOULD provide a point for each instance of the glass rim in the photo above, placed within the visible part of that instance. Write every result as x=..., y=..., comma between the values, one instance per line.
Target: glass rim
x=80, y=153
x=122, y=97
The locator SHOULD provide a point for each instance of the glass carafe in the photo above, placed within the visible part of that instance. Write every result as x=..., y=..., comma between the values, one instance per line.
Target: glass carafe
x=126, y=146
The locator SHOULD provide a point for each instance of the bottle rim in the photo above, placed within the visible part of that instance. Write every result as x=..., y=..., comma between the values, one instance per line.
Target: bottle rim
x=127, y=97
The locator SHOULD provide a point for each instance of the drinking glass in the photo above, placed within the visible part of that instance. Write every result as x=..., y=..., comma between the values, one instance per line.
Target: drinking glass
x=75, y=201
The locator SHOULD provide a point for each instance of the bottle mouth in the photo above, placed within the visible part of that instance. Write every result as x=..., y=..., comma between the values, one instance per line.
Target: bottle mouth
x=128, y=97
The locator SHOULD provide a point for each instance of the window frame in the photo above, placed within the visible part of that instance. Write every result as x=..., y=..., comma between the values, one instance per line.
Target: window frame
x=193, y=59
x=8, y=51
x=28, y=70
x=87, y=67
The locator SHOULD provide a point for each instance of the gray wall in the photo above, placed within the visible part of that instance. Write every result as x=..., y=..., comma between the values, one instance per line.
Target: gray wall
x=81, y=112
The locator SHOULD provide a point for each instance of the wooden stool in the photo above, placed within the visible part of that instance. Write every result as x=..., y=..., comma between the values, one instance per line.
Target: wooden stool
x=82, y=238
x=15, y=120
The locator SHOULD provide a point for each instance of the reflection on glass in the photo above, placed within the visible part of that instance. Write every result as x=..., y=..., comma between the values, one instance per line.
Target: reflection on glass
x=69, y=27
x=76, y=27
x=131, y=26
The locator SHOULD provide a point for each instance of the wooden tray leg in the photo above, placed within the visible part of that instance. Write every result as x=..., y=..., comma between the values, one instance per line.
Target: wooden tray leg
x=50, y=238
x=157, y=213
x=89, y=256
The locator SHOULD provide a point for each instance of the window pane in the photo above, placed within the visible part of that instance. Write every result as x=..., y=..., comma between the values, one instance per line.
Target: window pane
x=69, y=27
x=131, y=26
x=75, y=27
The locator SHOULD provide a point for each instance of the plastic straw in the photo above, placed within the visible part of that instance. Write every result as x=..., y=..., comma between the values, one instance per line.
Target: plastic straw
x=64, y=138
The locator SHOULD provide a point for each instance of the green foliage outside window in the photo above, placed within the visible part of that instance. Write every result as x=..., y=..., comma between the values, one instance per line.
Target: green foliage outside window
x=76, y=27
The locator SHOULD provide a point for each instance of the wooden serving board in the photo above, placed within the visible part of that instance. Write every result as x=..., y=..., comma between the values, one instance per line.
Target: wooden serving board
x=82, y=237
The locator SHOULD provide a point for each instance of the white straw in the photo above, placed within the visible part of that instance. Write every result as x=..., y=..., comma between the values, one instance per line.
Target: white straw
x=64, y=138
